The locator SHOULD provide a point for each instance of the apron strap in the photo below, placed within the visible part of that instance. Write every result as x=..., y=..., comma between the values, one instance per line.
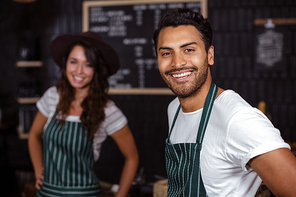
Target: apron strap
x=206, y=112
x=174, y=121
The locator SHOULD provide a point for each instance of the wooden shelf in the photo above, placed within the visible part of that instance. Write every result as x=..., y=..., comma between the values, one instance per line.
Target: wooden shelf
x=276, y=21
x=29, y=63
x=24, y=1
x=21, y=134
x=27, y=100
x=141, y=91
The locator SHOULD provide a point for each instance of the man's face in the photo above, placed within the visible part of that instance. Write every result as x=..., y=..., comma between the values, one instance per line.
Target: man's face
x=182, y=59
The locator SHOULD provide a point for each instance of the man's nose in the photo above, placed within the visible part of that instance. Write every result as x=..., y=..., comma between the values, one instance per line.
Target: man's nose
x=179, y=60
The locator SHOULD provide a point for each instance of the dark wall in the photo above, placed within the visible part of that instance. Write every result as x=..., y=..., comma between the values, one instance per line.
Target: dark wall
x=234, y=68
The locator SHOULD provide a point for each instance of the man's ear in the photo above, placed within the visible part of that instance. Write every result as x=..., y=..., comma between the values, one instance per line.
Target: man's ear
x=211, y=55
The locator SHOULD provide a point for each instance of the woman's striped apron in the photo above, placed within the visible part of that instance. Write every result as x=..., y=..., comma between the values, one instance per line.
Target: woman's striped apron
x=68, y=161
x=182, y=160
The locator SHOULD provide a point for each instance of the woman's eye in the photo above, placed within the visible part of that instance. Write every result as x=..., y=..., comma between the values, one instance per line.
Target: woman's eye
x=73, y=62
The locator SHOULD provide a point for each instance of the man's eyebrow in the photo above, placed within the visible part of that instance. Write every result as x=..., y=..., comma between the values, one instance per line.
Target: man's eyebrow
x=164, y=48
x=184, y=45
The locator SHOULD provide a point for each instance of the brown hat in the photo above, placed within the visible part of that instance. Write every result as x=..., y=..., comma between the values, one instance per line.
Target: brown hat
x=60, y=44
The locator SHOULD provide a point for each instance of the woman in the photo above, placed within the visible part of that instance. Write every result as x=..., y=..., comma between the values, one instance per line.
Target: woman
x=75, y=117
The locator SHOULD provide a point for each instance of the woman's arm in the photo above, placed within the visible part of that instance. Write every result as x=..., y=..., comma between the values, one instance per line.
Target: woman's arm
x=35, y=146
x=125, y=141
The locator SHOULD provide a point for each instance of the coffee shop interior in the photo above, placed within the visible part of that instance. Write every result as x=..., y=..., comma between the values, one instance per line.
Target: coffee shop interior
x=242, y=63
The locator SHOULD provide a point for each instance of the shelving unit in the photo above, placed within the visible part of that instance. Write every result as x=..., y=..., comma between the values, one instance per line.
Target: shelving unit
x=21, y=134
x=29, y=63
x=27, y=113
x=27, y=109
x=27, y=100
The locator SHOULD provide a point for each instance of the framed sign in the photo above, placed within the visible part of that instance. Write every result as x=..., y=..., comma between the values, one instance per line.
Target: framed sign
x=128, y=27
x=271, y=42
x=270, y=45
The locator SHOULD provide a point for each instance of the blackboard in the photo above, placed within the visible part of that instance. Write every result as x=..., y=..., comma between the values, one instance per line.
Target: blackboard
x=128, y=27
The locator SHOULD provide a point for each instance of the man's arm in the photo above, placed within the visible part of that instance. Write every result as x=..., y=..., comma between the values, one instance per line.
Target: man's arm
x=277, y=169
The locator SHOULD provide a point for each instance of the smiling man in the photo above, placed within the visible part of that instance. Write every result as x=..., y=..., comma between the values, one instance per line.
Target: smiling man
x=218, y=145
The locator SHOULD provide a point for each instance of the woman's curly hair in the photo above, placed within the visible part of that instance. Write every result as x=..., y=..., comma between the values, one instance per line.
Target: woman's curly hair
x=94, y=104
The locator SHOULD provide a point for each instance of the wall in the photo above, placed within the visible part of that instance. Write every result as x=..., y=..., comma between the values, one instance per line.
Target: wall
x=234, y=41
x=234, y=35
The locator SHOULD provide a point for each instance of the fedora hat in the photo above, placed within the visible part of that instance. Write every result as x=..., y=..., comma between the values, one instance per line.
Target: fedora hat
x=60, y=44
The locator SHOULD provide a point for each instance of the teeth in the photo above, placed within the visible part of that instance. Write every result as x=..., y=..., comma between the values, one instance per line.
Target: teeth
x=182, y=74
x=78, y=78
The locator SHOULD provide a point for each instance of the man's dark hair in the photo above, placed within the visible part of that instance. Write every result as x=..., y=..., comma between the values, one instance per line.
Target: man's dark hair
x=185, y=16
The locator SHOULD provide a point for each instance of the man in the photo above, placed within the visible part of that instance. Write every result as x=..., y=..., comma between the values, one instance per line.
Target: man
x=218, y=145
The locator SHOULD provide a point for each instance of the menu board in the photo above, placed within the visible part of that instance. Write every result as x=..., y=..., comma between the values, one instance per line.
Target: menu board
x=128, y=27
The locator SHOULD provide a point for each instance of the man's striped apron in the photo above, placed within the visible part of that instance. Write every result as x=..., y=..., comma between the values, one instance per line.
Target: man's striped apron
x=68, y=161
x=182, y=160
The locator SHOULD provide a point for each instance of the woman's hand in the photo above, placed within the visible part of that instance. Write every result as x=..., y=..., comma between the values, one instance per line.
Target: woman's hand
x=126, y=144
x=39, y=180
x=35, y=147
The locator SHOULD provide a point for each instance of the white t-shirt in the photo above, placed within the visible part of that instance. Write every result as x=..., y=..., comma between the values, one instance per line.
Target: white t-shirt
x=236, y=132
x=114, y=120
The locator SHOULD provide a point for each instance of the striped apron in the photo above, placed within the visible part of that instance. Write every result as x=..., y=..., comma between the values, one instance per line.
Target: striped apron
x=68, y=161
x=182, y=160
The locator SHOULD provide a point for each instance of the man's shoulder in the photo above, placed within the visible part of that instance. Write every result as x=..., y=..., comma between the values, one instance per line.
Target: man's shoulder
x=234, y=108
x=231, y=99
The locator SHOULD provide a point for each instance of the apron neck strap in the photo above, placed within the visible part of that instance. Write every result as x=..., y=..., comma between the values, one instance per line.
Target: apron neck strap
x=174, y=121
x=206, y=112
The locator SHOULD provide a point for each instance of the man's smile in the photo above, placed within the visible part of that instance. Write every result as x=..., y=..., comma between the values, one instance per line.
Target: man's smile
x=182, y=75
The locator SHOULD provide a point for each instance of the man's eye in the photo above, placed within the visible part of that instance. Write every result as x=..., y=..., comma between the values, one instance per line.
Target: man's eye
x=165, y=54
x=188, y=50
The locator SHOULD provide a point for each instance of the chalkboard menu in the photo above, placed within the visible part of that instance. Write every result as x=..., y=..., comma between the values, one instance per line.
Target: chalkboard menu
x=128, y=27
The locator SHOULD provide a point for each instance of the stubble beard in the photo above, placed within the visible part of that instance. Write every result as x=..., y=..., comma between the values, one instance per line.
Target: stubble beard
x=187, y=89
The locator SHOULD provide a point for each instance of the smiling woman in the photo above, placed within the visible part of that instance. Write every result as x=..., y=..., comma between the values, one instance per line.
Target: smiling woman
x=79, y=71
x=75, y=117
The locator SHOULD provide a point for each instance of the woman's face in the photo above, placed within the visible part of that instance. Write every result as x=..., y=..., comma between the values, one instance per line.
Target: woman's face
x=78, y=69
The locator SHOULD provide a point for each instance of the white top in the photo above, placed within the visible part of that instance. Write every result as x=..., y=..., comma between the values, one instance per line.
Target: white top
x=114, y=120
x=236, y=132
